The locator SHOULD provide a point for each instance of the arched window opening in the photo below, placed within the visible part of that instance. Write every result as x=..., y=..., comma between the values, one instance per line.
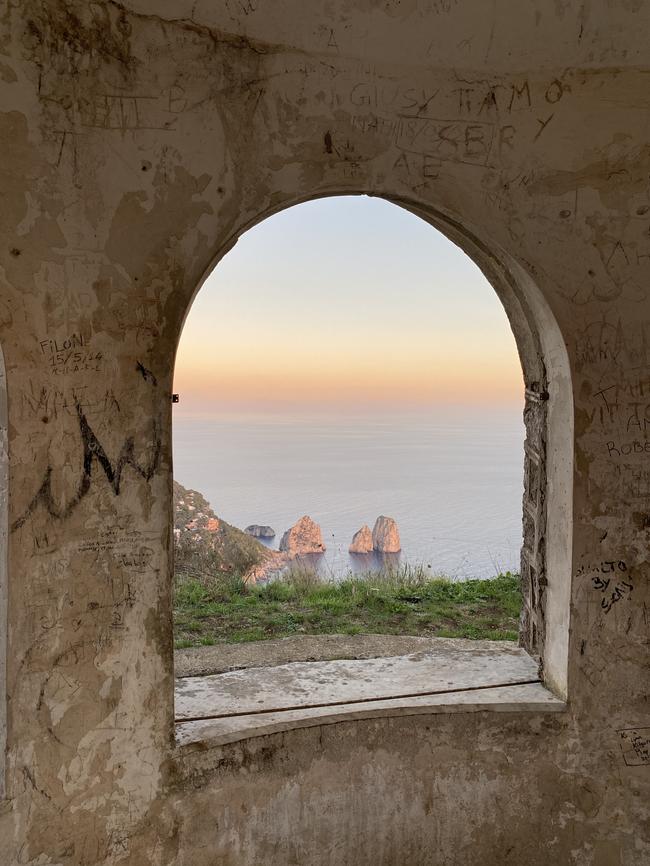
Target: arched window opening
x=343, y=363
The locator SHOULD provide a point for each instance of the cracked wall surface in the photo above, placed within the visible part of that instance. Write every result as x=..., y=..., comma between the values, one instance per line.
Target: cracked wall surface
x=140, y=139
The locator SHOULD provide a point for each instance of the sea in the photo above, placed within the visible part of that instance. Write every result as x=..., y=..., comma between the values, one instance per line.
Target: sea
x=451, y=477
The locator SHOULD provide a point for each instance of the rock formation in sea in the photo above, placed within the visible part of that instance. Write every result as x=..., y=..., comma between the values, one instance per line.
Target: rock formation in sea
x=385, y=535
x=304, y=537
x=258, y=531
x=362, y=541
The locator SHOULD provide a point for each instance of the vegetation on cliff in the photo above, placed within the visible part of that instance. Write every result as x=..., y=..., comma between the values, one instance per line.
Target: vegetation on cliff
x=207, y=548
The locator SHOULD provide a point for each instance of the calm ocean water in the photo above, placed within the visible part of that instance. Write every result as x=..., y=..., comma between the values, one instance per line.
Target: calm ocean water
x=452, y=479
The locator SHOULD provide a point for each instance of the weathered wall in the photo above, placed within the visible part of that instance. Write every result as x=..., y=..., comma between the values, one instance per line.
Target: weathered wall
x=138, y=141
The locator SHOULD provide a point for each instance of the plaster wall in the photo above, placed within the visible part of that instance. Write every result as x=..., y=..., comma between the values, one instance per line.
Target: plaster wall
x=139, y=140
x=4, y=515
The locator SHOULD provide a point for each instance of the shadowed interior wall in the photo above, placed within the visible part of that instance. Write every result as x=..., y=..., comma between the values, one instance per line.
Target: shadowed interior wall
x=140, y=140
x=4, y=512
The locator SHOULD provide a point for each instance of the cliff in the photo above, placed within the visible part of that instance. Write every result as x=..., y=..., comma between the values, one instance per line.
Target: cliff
x=206, y=544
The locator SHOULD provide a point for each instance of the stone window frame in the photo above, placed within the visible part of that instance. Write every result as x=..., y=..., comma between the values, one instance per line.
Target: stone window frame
x=547, y=507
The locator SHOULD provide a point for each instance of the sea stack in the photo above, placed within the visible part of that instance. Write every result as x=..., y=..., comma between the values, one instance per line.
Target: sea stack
x=362, y=541
x=258, y=531
x=304, y=537
x=385, y=536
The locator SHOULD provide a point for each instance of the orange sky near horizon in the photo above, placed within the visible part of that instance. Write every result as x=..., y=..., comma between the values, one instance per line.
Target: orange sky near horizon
x=397, y=315
x=259, y=373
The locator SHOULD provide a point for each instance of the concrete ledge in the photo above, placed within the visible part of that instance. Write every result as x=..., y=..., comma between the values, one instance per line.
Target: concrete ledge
x=506, y=699
x=235, y=705
x=219, y=659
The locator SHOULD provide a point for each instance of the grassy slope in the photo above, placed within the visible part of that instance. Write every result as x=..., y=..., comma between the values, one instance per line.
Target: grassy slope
x=225, y=611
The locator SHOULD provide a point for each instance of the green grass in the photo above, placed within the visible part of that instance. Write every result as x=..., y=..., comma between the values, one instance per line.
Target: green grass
x=407, y=600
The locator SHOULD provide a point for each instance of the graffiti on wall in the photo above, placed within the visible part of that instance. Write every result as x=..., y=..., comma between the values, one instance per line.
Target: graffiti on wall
x=94, y=455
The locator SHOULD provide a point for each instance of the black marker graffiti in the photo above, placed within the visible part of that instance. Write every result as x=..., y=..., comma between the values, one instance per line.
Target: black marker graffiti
x=147, y=375
x=92, y=450
x=620, y=590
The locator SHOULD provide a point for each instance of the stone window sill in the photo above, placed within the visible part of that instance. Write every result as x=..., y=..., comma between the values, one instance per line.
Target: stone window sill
x=451, y=677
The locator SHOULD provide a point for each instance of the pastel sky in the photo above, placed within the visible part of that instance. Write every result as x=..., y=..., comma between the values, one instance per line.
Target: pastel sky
x=346, y=301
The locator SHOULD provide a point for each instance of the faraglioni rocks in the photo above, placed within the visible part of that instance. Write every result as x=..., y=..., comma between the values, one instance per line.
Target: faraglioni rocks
x=385, y=535
x=303, y=538
x=258, y=531
x=362, y=541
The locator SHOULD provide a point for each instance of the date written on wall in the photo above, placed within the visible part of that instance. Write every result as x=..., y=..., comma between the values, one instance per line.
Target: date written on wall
x=70, y=355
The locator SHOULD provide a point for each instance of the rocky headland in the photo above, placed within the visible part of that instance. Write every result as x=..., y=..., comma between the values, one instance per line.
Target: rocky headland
x=206, y=544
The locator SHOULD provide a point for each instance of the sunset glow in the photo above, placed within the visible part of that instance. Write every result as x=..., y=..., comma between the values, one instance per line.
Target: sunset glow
x=346, y=301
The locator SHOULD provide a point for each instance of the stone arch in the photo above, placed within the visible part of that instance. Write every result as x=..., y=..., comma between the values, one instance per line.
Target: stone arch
x=548, y=416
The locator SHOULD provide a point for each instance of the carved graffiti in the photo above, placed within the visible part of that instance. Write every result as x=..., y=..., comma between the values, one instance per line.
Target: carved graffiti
x=483, y=100
x=54, y=402
x=446, y=139
x=635, y=745
x=72, y=114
